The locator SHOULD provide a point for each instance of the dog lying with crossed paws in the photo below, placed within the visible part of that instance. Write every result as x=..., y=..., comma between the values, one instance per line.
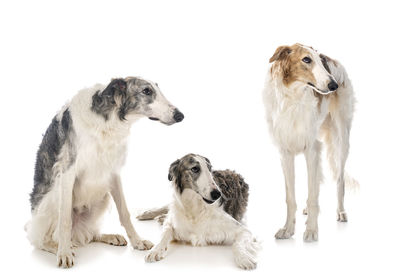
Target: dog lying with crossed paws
x=207, y=208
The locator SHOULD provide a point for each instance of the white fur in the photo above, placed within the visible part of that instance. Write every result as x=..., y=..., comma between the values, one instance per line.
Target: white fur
x=193, y=221
x=205, y=182
x=68, y=216
x=297, y=122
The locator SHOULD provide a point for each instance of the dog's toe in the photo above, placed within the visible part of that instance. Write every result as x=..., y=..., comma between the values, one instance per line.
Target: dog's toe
x=155, y=255
x=342, y=216
x=117, y=240
x=142, y=245
x=246, y=262
x=65, y=260
x=284, y=233
x=310, y=235
x=112, y=239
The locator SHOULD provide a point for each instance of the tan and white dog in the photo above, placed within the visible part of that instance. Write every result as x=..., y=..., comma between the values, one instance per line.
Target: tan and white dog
x=308, y=97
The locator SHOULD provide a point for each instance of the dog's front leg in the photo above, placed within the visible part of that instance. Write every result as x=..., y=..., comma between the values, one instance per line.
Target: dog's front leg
x=244, y=245
x=312, y=156
x=159, y=251
x=245, y=248
x=287, y=161
x=65, y=184
x=124, y=216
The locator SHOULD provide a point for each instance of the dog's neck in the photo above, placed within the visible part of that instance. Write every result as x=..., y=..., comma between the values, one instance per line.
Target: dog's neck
x=191, y=204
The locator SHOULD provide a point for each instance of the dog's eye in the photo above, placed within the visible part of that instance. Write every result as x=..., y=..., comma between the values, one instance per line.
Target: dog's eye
x=307, y=60
x=147, y=91
x=195, y=169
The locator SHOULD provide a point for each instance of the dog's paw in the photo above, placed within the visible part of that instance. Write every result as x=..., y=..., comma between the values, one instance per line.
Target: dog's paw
x=245, y=261
x=114, y=239
x=310, y=235
x=142, y=244
x=65, y=259
x=147, y=215
x=342, y=216
x=155, y=254
x=284, y=233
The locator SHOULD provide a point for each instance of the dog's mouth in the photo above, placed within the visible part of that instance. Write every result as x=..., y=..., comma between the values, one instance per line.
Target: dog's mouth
x=208, y=201
x=163, y=122
x=323, y=92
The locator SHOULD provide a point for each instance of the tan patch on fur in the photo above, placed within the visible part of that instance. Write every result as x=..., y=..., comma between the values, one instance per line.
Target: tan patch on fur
x=332, y=98
x=334, y=101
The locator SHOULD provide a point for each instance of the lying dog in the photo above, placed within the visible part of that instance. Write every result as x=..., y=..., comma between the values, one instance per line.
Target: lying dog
x=207, y=208
x=79, y=161
x=308, y=96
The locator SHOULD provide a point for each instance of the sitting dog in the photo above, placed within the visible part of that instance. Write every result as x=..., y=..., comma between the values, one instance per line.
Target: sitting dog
x=309, y=97
x=79, y=161
x=207, y=208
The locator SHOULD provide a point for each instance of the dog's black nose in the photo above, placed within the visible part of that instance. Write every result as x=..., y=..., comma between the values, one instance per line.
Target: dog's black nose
x=178, y=116
x=215, y=194
x=332, y=86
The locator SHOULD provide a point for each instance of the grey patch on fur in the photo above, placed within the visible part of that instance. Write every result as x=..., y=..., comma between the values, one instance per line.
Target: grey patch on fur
x=57, y=135
x=235, y=191
x=123, y=96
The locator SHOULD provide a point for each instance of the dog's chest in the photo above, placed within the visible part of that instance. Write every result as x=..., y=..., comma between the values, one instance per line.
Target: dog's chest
x=201, y=229
x=100, y=157
x=295, y=123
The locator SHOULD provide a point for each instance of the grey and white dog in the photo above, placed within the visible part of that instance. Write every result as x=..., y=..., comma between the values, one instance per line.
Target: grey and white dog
x=78, y=165
x=207, y=208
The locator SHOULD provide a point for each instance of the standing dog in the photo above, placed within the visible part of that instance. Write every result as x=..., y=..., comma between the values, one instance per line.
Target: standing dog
x=79, y=161
x=309, y=96
x=207, y=208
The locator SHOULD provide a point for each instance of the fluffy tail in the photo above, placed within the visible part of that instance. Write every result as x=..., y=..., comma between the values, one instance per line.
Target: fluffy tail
x=153, y=213
x=351, y=183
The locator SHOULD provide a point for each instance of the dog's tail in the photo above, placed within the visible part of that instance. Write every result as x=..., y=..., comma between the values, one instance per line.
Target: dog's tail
x=154, y=213
x=351, y=183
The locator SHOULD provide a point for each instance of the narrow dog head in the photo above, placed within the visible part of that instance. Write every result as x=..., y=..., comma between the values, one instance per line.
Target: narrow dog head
x=304, y=66
x=132, y=97
x=193, y=172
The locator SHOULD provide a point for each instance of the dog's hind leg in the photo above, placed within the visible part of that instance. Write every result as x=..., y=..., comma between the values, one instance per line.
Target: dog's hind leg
x=50, y=246
x=312, y=155
x=112, y=239
x=337, y=147
x=152, y=214
x=287, y=160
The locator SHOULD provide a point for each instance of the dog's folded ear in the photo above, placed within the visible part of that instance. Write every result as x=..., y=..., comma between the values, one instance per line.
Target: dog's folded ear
x=116, y=86
x=208, y=163
x=173, y=170
x=114, y=94
x=280, y=53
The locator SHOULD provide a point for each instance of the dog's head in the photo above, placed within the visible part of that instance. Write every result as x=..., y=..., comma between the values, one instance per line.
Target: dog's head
x=132, y=97
x=304, y=66
x=193, y=172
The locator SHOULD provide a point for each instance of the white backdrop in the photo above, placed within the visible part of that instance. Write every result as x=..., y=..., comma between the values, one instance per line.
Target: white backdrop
x=210, y=59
